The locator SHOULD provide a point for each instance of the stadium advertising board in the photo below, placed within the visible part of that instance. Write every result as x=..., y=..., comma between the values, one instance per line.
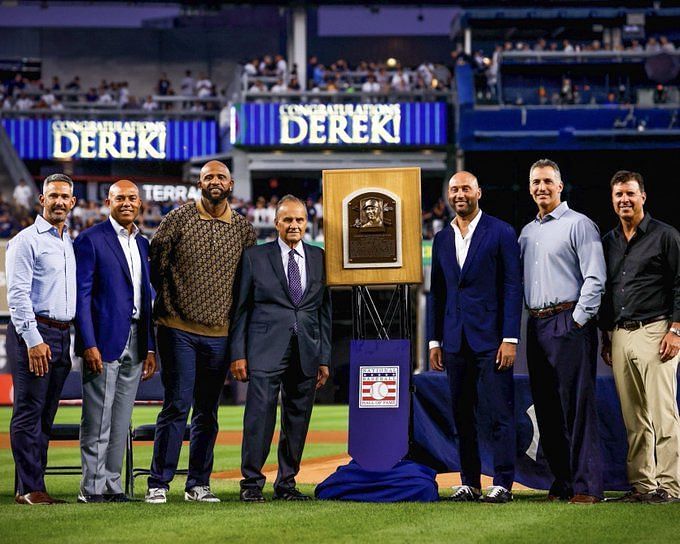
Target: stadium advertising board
x=111, y=140
x=417, y=124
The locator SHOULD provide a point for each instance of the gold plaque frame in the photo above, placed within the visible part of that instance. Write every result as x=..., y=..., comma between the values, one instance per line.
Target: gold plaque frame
x=400, y=185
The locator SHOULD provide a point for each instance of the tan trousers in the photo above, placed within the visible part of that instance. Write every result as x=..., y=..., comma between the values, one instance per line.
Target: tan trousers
x=647, y=389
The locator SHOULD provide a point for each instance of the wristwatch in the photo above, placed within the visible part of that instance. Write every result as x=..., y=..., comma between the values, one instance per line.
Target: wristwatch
x=675, y=331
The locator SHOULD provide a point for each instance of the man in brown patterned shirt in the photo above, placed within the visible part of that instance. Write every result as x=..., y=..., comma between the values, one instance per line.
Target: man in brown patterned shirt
x=194, y=256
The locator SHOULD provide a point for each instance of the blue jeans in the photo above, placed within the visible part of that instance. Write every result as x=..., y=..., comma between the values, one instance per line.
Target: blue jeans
x=193, y=369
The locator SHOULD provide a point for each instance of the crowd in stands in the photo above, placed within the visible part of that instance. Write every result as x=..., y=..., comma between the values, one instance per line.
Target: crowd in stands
x=22, y=210
x=21, y=94
x=486, y=69
x=271, y=75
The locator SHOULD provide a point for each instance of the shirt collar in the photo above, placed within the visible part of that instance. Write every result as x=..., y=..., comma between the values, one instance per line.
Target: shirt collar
x=556, y=213
x=43, y=225
x=203, y=214
x=473, y=224
x=118, y=227
x=285, y=248
x=643, y=227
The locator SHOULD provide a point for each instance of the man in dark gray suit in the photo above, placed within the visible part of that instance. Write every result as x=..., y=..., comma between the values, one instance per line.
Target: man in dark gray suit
x=280, y=342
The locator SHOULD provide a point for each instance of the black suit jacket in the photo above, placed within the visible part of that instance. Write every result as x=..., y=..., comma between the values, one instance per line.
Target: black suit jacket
x=264, y=314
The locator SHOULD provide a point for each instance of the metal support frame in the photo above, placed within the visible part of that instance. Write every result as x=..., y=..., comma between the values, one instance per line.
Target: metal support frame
x=366, y=316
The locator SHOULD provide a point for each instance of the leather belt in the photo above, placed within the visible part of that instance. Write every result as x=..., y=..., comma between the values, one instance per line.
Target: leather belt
x=61, y=325
x=550, y=311
x=632, y=325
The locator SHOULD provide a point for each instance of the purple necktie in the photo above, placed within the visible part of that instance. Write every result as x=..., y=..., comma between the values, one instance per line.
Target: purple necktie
x=294, y=280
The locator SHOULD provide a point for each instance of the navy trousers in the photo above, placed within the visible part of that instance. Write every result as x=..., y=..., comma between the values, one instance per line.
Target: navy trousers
x=562, y=363
x=297, y=400
x=193, y=370
x=36, y=399
x=474, y=378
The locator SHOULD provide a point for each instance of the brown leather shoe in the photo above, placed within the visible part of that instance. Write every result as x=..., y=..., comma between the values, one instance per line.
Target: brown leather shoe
x=584, y=499
x=35, y=498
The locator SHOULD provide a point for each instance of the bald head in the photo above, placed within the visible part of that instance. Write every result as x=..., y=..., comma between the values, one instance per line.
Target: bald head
x=464, y=194
x=464, y=178
x=121, y=186
x=124, y=202
x=215, y=182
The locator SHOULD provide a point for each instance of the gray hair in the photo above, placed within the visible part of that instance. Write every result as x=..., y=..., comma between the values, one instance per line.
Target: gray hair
x=289, y=198
x=63, y=178
x=544, y=163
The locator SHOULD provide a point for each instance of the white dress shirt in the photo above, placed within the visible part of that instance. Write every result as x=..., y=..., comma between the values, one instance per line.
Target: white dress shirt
x=462, y=248
x=299, y=260
x=128, y=243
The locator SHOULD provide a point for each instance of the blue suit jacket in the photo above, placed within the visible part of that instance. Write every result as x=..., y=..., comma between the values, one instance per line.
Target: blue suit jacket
x=484, y=299
x=105, y=296
x=264, y=314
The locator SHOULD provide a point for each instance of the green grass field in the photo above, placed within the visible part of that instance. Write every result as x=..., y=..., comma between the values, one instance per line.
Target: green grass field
x=526, y=520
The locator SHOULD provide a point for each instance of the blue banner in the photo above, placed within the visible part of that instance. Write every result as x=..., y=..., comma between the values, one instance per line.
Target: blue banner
x=379, y=406
x=111, y=140
x=417, y=124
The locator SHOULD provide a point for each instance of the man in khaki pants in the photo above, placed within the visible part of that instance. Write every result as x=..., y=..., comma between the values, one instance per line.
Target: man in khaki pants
x=640, y=320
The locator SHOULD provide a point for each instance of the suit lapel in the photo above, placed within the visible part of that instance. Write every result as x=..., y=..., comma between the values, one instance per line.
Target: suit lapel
x=308, y=268
x=450, y=241
x=277, y=264
x=112, y=239
x=477, y=238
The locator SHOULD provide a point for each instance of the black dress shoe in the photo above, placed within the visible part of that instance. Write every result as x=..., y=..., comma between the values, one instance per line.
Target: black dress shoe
x=119, y=497
x=251, y=494
x=88, y=499
x=291, y=494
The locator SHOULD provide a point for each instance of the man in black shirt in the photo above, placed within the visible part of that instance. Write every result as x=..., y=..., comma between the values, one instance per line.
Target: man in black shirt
x=640, y=321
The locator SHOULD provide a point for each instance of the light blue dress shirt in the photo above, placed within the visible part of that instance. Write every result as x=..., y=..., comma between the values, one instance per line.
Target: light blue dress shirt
x=563, y=261
x=41, y=278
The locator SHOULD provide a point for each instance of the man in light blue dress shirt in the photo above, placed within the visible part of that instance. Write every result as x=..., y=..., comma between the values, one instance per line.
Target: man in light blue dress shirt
x=564, y=278
x=41, y=294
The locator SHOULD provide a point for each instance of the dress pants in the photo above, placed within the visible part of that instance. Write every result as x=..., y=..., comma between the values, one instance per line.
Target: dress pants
x=108, y=399
x=193, y=370
x=297, y=400
x=36, y=399
x=562, y=363
x=474, y=379
x=647, y=388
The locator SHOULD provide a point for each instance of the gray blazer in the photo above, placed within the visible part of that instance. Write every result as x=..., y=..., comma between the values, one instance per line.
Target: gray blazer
x=264, y=314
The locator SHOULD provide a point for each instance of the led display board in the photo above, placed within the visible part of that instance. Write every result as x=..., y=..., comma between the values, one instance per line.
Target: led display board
x=417, y=124
x=111, y=140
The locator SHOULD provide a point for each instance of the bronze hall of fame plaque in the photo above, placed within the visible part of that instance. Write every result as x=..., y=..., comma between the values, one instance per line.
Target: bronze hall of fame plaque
x=371, y=229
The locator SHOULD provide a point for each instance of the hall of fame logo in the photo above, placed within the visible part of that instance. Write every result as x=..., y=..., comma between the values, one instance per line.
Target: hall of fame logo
x=379, y=387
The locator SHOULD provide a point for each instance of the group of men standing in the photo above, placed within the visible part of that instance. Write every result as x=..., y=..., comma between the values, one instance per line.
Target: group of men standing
x=627, y=284
x=221, y=303
x=115, y=287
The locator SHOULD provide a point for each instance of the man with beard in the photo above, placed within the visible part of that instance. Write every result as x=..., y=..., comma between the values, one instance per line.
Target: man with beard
x=564, y=277
x=114, y=337
x=41, y=294
x=640, y=319
x=476, y=310
x=194, y=257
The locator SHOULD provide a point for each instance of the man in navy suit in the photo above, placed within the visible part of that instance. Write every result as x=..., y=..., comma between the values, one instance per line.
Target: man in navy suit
x=476, y=310
x=280, y=342
x=114, y=337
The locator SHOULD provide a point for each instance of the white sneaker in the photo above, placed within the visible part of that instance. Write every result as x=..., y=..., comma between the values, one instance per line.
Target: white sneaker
x=200, y=493
x=156, y=495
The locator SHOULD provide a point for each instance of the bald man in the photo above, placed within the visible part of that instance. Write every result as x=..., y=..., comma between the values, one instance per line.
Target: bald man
x=194, y=257
x=476, y=309
x=114, y=336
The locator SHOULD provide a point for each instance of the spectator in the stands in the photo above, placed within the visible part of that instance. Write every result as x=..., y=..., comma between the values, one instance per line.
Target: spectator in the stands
x=163, y=85
x=319, y=74
x=24, y=102
x=150, y=104
x=293, y=84
x=23, y=196
x=279, y=87
x=187, y=85
x=370, y=85
x=281, y=67
x=56, y=84
x=204, y=87
x=252, y=68
x=666, y=45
